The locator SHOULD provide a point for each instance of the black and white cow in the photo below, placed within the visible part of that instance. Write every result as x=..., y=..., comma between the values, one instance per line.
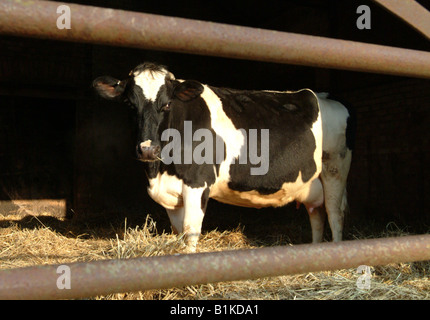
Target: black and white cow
x=196, y=143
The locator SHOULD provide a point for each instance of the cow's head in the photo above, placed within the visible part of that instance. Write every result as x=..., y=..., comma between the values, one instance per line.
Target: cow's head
x=151, y=89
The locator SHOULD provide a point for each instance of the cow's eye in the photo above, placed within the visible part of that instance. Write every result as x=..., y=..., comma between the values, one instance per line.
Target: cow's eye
x=166, y=107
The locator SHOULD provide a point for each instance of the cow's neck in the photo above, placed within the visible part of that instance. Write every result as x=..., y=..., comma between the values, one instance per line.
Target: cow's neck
x=152, y=168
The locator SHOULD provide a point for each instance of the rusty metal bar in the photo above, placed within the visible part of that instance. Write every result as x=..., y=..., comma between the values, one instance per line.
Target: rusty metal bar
x=139, y=30
x=411, y=12
x=110, y=276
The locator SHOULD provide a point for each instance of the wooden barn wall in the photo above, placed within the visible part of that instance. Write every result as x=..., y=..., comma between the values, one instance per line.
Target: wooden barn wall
x=38, y=98
x=389, y=176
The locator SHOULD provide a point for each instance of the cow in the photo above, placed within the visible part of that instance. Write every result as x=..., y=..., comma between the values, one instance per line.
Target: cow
x=305, y=147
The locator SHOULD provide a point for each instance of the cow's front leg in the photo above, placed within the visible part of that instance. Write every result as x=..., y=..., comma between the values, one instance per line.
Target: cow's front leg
x=176, y=217
x=195, y=201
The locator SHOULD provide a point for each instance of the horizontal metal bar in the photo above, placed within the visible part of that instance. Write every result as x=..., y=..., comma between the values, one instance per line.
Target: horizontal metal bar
x=139, y=30
x=411, y=12
x=110, y=276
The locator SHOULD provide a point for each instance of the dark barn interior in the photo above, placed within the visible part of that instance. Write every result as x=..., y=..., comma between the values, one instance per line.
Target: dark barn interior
x=61, y=144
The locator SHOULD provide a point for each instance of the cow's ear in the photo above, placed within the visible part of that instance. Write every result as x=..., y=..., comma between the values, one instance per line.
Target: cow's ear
x=108, y=87
x=188, y=90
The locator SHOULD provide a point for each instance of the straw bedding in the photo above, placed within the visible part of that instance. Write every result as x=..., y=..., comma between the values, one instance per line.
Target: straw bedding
x=31, y=240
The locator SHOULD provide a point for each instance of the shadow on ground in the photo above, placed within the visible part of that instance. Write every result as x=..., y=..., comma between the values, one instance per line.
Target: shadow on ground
x=263, y=227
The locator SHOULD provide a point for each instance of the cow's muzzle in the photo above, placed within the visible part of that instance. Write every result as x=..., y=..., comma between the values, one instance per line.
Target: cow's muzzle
x=147, y=151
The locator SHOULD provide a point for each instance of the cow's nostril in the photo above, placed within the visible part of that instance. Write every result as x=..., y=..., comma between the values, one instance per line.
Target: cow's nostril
x=147, y=152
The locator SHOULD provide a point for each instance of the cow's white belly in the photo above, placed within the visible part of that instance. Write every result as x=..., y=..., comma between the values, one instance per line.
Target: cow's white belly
x=167, y=191
x=310, y=193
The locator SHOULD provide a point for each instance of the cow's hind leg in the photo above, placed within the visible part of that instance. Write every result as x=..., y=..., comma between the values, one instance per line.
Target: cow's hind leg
x=314, y=204
x=334, y=175
x=333, y=202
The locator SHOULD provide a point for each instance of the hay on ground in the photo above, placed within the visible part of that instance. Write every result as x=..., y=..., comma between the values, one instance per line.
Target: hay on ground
x=29, y=241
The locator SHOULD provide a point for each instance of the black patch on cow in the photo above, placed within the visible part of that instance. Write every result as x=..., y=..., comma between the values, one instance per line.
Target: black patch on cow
x=289, y=118
x=187, y=90
x=218, y=164
x=325, y=156
x=290, y=106
x=205, y=199
x=351, y=128
x=149, y=117
x=196, y=111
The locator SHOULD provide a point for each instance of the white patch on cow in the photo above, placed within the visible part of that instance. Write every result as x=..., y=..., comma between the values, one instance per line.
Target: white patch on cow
x=304, y=192
x=183, y=205
x=176, y=217
x=323, y=95
x=317, y=131
x=223, y=126
x=315, y=196
x=166, y=190
x=336, y=163
x=150, y=82
x=334, y=116
x=193, y=216
x=146, y=144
